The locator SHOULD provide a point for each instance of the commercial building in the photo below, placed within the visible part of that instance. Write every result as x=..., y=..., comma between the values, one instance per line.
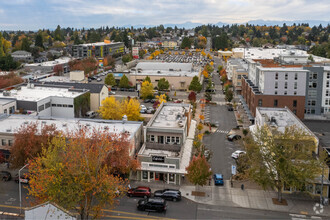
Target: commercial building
x=168, y=147
x=48, y=101
x=9, y=124
x=179, y=75
x=48, y=66
x=282, y=118
x=7, y=106
x=170, y=44
x=98, y=92
x=98, y=50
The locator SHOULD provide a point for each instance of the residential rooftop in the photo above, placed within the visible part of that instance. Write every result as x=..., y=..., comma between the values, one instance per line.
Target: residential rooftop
x=99, y=44
x=170, y=115
x=33, y=93
x=61, y=60
x=11, y=123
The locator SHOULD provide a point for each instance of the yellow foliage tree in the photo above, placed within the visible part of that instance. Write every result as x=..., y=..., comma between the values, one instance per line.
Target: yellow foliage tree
x=201, y=117
x=211, y=63
x=203, y=53
x=131, y=108
x=161, y=98
x=183, y=53
x=176, y=53
x=146, y=89
x=205, y=74
x=110, y=109
x=169, y=52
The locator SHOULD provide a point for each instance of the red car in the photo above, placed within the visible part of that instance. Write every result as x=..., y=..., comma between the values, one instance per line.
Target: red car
x=140, y=191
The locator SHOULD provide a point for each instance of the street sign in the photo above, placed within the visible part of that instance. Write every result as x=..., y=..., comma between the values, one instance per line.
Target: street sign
x=233, y=170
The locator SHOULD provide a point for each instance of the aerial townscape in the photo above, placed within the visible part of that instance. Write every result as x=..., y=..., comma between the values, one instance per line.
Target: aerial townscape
x=156, y=110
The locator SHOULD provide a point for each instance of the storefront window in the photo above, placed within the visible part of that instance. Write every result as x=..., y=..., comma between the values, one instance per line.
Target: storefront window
x=168, y=140
x=144, y=175
x=317, y=189
x=309, y=188
x=177, y=140
x=151, y=175
x=171, y=177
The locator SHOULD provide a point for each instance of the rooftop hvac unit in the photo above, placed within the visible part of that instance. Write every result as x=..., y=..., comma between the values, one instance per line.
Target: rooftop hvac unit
x=6, y=93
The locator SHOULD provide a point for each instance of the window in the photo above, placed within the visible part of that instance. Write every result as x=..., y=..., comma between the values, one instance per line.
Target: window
x=318, y=189
x=260, y=102
x=10, y=142
x=53, y=105
x=327, y=93
x=160, y=139
x=327, y=84
x=152, y=138
x=47, y=105
x=65, y=106
x=5, y=111
x=41, y=108
x=276, y=85
x=328, y=75
x=286, y=76
x=285, y=92
x=327, y=101
x=312, y=93
x=3, y=142
x=177, y=140
x=239, y=76
x=295, y=85
x=275, y=103
x=276, y=75
x=59, y=105
x=173, y=139
x=70, y=106
x=314, y=75
x=144, y=175
x=168, y=140
x=296, y=76
x=294, y=103
x=294, y=93
x=312, y=84
x=285, y=85
x=275, y=92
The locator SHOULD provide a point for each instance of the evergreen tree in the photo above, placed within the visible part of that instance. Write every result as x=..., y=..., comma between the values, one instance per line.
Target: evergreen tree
x=195, y=84
x=39, y=41
x=186, y=43
x=110, y=80
x=147, y=79
x=163, y=84
x=58, y=33
x=124, y=83
x=25, y=44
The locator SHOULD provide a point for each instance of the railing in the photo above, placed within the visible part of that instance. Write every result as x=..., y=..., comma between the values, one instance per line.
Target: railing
x=158, y=146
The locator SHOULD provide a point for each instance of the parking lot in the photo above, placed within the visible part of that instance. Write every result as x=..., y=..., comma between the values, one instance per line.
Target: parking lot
x=195, y=59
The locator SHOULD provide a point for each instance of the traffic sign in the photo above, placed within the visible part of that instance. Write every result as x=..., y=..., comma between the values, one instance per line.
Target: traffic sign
x=233, y=169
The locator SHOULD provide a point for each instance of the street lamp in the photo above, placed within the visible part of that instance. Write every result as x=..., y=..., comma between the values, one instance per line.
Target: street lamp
x=19, y=188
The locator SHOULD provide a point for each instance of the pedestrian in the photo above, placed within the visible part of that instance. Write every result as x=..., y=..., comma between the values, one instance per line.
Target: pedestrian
x=231, y=183
x=129, y=186
x=242, y=186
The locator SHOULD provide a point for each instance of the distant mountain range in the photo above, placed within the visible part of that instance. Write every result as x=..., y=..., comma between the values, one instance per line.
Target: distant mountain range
x=190, y=25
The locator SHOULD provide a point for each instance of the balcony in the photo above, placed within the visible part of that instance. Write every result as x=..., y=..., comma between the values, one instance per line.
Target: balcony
x=169, y=147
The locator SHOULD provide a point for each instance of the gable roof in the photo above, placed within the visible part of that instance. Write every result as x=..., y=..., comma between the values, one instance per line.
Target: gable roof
x=48, y=210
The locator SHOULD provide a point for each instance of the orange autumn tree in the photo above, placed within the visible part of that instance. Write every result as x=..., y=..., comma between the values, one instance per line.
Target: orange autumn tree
x=28, y=142
x=76, y=171
x=198, y=171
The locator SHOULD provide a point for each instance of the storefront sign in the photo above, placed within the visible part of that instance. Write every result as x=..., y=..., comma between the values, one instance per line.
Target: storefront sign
x=158, y=159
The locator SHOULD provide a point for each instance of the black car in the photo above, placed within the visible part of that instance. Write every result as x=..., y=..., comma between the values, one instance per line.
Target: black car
x=113, y=88
x=5, y=175
x=154, y=204
x=131, y=90
x=168, y=194
x=147, y=100
x=230, y=108
x=234, y=137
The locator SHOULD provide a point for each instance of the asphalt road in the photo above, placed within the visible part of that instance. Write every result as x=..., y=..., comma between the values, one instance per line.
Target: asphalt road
x=126, y=208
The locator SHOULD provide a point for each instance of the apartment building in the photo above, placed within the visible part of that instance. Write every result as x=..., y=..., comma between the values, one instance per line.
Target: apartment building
x=167, y=150
x=236, y=69
x=326, y=92
x=98, y=50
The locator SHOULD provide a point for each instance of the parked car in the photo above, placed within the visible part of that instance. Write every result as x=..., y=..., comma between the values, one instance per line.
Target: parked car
x=143, y=109
x=5, y=175
x=139, y=191
x=150, y=110
x=89, y=80
x=24, y=178
x=152, y=100
x=212, y=91
x=169, y=194
x=237, y=153
x=131, y=90
x=90, y=114
x=147, y=100
x=230, y=108
x=99, y=79
x=112, y=93
x=113, y=88
x=234, y=137
x=218, y=179
x=154, y=204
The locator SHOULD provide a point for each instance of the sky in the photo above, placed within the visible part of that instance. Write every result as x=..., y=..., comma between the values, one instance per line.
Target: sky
x=39, y=14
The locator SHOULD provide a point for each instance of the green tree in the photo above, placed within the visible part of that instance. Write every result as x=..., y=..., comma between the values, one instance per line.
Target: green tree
x=229, y=95
x=25, y=44
x=2, y=53
x=147, y=79
x=198, y=171
x=195, y=85
x=208, y=96
x=147, y=90
x=39, y=41
x=186, y=43
x=58, y=34
x=127, y=58
x=283, y=158
x=124, y=83
x=110, y=80
x=163, y=84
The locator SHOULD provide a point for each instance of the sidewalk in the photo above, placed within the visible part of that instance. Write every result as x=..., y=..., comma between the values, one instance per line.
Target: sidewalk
x=247, y=198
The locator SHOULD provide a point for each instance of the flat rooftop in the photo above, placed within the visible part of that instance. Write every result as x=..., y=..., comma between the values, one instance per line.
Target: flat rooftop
x=267, y=53
x=61, y=60
x=170, y=115
x=6, y=101
x=56, y=79
x=98, y=44
x=164, y=69
x=321, y=129
x=38, y=93
x=10, y=124
x=283, y=118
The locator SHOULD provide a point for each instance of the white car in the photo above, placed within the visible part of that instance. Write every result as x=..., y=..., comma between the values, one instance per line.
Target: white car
x=237, y=153
x=143, y=109
x=99, y=79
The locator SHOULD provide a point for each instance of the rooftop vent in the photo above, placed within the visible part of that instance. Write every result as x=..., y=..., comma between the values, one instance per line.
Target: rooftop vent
x=124, y=119
x=44, y=122
x=8, y=130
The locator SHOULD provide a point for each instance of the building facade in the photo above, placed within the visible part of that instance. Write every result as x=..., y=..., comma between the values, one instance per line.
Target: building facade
x=98, y=50
x=168, y=146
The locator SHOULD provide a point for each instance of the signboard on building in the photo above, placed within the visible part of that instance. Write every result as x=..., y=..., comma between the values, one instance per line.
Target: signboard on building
x=160, y=159
x=233, y=170
x=135, y=52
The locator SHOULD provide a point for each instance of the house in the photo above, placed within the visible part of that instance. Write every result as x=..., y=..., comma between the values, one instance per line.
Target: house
x=48, y=211
x=168, y=147
x=22, y=56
